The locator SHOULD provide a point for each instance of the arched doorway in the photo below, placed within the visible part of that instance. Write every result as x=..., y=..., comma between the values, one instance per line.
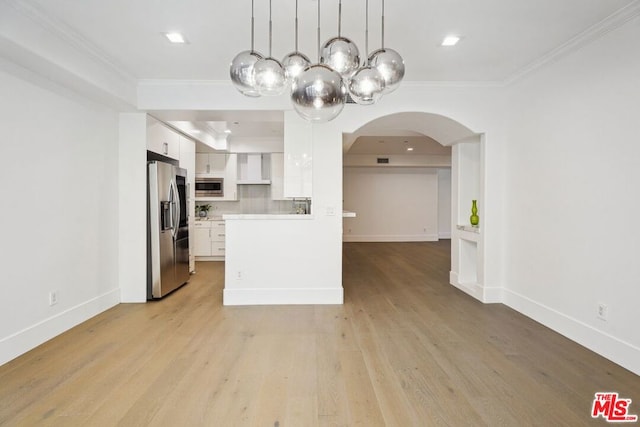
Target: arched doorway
x=466, y=165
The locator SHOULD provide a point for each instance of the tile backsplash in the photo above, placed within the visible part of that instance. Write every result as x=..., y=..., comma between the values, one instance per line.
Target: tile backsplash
x=252, y=199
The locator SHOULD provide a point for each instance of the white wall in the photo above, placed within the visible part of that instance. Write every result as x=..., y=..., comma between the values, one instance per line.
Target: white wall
x=572, y=198
x=444, y=203
x=391, y=204
x=59, y=187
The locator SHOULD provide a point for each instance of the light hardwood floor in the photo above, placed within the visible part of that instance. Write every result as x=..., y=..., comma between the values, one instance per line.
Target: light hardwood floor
x=406, y=349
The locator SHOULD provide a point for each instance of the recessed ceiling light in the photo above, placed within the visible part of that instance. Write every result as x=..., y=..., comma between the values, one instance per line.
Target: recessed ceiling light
x=175, y=38
x=409, y=148
x=450, y=41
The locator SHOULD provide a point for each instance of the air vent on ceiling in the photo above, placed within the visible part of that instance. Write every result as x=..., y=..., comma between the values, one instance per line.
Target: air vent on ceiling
x=383, y=160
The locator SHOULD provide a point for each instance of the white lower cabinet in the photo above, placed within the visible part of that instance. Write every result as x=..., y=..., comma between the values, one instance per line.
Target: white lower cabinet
x=209, y=240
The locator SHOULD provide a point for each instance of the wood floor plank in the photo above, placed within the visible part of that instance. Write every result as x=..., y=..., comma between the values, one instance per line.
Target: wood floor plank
x=406, y=349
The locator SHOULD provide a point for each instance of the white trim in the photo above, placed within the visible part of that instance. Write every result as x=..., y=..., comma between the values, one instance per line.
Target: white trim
x=282, y=296
x=591, y=34
x=390, y=238
x=473, y=289
x=70, y=36
x=610, y=347
x=22, y=341
x=444, y=235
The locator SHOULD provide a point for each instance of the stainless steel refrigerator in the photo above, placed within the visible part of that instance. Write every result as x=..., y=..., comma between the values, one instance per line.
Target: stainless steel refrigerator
x=167, y=229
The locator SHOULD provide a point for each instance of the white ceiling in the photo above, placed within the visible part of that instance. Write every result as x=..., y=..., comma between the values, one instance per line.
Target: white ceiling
x=501, y=39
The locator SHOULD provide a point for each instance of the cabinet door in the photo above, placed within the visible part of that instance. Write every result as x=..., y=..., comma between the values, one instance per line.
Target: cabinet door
x=298, y=136
x=218, y=164
x=217, y=231
x=162, y=140
x=202, y=241
x=277, y=176
x=202, y=163
x=231, y=177
x=213, y=164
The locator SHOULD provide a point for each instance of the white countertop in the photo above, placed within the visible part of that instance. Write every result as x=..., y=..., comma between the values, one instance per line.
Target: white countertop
x=266, y=216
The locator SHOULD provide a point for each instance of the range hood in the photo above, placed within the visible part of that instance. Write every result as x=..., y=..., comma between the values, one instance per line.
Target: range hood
x=254, y=169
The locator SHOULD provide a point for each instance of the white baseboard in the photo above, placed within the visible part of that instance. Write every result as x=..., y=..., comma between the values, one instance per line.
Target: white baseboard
x=389, y=238
x=444, y=235
x=22, y=341
x=473, y=289
x=279, y=296
x=620, y=352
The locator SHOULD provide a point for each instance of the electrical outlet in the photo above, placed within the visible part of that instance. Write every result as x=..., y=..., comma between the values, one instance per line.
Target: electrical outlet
x=53, y=297
x=603, y=311
x=239, y=275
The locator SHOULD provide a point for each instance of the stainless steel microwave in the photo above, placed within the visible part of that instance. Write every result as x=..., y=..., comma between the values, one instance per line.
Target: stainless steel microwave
x=209, y=187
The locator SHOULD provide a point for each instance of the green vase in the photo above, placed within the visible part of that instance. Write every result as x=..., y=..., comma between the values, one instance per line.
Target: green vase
x=475, y=219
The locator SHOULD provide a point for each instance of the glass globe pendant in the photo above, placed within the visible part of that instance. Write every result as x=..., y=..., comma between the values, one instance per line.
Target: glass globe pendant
x=295, y=62
x=339, y=52
x=241, y=68
x=390, y=65
x=388, y=62
x=241, y=72
x=268, y=73
x=366, y=84
x=318, y=93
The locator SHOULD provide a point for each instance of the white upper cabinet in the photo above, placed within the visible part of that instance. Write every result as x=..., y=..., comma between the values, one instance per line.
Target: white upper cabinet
x=219, y=165
x=277, y=176
x=297, y=156
x=162, y=140
x=212, y=164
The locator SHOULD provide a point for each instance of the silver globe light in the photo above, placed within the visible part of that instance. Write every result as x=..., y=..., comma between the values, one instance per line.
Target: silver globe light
x=294, y=64
x=366, y=86
x=341, y=54
x=241, y=72
x=390, y=65
x=318, y=94
x=269, y=77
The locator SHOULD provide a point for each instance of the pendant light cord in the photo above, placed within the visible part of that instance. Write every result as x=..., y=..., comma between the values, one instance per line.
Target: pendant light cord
x=366, y=33
x=382, y=45
x=340, y=18
x=270, y=29
x=252, y=24
x=318, y=31
x=296, y=28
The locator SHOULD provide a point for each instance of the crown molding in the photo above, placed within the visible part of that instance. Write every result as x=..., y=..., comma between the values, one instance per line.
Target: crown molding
x=71, y=37
x=596, y=31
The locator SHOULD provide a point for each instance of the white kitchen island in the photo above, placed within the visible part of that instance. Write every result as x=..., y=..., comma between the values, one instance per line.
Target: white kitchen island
x=271, y=259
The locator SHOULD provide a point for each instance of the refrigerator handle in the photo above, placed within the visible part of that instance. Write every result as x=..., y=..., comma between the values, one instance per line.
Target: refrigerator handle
x=176, y=202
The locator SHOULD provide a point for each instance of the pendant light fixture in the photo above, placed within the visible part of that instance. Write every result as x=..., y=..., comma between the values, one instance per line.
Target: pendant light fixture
x=366, y=84
x=388, y=62
x=268, y=73
x=295, y=62
x=241, y=69
x=340, y=53
x=318, y=93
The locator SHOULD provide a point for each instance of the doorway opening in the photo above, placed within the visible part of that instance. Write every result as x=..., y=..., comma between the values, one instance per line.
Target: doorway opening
x=411, y=177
